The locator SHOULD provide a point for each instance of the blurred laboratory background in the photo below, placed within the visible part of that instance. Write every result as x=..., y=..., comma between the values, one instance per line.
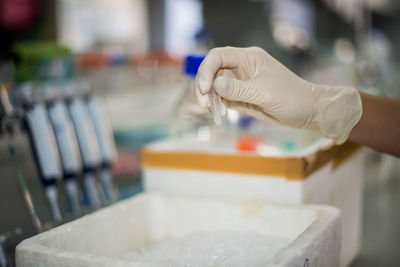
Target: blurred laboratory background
x=90, y=87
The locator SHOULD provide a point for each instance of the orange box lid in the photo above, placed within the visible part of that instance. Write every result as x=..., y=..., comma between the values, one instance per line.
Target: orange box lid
x=292, y=168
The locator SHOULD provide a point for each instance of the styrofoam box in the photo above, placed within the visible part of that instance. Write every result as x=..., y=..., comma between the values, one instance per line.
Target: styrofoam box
x=339, y=185
x=99, y=239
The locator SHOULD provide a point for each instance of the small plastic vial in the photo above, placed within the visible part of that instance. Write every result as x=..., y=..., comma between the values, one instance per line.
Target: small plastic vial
x=216, y=107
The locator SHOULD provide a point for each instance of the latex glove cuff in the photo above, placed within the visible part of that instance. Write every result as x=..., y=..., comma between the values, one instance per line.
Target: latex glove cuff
x=337, y=110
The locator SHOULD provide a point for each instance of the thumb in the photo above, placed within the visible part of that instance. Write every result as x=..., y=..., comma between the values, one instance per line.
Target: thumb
x=232, y=89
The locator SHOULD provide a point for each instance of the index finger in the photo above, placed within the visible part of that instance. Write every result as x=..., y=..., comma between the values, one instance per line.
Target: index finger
x=216, y=59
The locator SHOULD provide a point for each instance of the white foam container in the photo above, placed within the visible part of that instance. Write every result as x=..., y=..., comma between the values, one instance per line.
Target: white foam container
x=99, y=239
x=337, y=181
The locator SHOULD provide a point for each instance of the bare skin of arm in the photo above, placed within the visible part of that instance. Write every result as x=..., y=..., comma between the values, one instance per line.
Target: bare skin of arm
x=379, y=126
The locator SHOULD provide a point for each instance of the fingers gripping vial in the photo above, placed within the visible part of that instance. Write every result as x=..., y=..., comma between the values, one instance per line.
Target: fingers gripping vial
x=211, y=99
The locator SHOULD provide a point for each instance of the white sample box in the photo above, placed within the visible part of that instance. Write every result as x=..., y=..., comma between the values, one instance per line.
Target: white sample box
x=319, y=174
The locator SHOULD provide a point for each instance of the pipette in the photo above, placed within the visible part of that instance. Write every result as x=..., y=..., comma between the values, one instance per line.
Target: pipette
x=44, y=148
x=106, y=143
x=67, y=145
x=88, y=146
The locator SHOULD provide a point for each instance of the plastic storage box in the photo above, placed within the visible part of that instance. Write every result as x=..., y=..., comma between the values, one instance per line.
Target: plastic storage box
x=102, y=238
x=319, y=173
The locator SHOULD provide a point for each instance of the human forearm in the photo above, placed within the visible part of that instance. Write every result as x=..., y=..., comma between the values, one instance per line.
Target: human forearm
x=379, y=126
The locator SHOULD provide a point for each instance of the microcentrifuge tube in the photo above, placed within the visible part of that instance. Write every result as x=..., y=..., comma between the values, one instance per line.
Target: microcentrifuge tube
x=216, y=106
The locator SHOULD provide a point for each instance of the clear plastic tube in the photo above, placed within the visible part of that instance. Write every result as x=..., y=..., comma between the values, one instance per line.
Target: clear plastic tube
x=216, y=106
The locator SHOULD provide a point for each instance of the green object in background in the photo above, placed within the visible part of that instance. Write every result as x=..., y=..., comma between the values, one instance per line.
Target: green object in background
x=136, y=137
x=288, y=146
x=43, y=61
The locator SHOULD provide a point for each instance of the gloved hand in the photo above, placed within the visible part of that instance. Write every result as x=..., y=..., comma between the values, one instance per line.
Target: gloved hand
x=254, y=83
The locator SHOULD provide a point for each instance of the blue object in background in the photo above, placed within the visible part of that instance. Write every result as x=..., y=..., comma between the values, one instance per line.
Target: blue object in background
x=245, y=122
x=192, y=63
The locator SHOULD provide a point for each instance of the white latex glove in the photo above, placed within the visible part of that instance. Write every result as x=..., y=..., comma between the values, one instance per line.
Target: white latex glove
x=254, y=83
